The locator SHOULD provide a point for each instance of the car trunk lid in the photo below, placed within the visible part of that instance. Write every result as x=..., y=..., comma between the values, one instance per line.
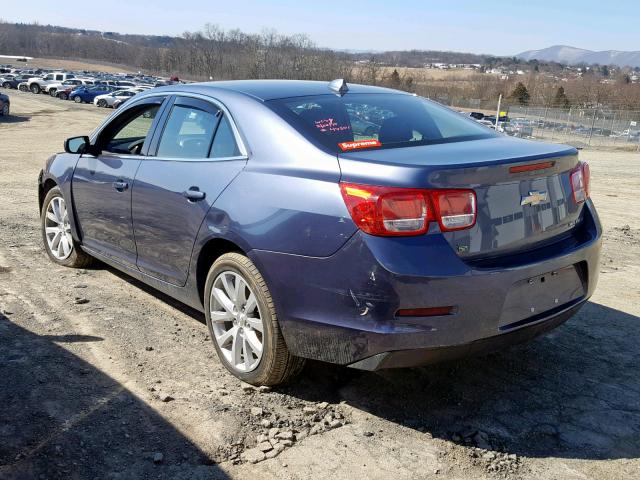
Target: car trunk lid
x=523, y=188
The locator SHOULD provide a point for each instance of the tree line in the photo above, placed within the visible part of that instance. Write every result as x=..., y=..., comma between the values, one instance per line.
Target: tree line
x=211, y=53
x=218, y=54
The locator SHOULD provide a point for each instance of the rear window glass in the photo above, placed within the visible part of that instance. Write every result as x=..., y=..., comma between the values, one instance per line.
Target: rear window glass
x=357, y=121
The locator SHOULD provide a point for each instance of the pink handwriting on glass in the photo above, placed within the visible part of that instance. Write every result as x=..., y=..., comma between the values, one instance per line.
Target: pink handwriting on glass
x=330, y=125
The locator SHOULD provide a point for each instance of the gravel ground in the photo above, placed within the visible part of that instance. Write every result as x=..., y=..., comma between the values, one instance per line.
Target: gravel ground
x=103, y=378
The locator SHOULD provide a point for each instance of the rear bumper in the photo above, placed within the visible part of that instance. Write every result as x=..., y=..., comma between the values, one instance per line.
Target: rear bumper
x=342, y=309
x=426, y=356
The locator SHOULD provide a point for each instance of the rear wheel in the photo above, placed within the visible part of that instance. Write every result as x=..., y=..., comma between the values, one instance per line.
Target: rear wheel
x=77, y=99
x=243, y=323
x=102, y=103
x=5, y=110
x=23, y=88
x=35, y=88
x=6, y=85
x=62, y=96
x=56, y=233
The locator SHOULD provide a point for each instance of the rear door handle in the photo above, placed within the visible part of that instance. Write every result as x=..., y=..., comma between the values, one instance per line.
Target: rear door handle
x=120, y=185
x=194, y=194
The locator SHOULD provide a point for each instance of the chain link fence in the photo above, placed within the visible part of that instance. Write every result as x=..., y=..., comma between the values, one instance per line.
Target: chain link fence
x=580, y=127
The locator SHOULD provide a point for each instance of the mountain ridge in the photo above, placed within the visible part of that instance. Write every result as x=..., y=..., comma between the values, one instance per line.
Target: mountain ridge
x=574, y=56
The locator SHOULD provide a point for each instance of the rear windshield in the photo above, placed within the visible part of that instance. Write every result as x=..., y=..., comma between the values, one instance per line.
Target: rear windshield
x=378, y=121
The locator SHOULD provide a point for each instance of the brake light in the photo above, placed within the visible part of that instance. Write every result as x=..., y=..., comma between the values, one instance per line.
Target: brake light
x=456, y=209
x=391, y=211
x=580, y=179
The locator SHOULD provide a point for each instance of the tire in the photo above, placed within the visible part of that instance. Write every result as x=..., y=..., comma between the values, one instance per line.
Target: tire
x=6, y=85
x=102, y=103
x=35, y=88
x=52, y=92
x=275, y=365
x=77, y=99
x=62, y=96
x=23, y=88
x=53, y=218
x=5, y=110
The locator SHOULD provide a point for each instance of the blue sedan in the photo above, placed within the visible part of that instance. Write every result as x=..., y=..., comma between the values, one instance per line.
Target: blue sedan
x=86, y=94
x=301, y=235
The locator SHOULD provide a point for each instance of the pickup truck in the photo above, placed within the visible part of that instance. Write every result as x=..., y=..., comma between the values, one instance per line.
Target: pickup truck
x=37, y=85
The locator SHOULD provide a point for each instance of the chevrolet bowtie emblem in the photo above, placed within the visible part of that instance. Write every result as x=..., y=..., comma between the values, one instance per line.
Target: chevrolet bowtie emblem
x=534, y=198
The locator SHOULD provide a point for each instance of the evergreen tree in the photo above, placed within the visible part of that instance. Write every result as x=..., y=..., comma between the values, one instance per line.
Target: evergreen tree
x=395, y=81
x=520, y=94
x=561, y=99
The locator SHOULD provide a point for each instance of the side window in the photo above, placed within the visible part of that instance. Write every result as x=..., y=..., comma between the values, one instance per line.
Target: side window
x=224, y=143
x=127, y=138
x=187, y=133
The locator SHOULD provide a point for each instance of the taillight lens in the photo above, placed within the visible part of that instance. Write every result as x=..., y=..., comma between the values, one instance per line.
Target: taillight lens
x=580, y=178
x=390, y=211
x=455, y=209
x=387, y=210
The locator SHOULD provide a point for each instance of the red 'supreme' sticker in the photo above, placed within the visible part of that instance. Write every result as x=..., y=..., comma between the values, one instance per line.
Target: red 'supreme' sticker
x=346, y=146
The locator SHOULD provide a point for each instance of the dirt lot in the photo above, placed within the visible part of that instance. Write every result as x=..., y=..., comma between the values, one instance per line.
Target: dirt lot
x=102, y=378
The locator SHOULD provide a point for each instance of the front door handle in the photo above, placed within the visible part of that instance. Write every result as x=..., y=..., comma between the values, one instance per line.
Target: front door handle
x=120, y=185
x=194, y=194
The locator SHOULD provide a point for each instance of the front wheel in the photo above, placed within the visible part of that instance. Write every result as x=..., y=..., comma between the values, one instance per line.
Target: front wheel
x=56, y=233
x=6, y=85
x=52, y=92
x=102, y=103
x=243, y=323
x=62, y=96
x=35, y=88
x=77, y=99
x=5, y=110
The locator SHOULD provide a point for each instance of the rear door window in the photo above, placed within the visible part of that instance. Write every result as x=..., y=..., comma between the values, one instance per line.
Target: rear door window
x=224, y=143
x=188, y=132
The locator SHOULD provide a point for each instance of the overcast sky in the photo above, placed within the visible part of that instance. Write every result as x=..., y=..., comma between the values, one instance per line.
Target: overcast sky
x=478, y=26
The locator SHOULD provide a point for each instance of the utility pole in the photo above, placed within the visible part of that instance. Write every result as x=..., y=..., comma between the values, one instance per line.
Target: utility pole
x=593, y=124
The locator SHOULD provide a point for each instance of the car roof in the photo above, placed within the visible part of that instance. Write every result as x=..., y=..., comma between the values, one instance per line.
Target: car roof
x=272, y=89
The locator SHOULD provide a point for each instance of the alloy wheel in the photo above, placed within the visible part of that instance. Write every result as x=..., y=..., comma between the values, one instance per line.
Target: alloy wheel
x=5, y=110
x=236, y=321
x=58, y=229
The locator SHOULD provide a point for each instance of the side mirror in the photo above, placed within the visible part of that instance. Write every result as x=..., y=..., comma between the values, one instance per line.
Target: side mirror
x=77, y=145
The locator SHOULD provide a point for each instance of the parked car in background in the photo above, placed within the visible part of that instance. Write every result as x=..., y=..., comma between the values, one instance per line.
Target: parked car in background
x=108, y=99
x=37, y=84
x=255, y=202
x=118, y=103
x=63, y=93
x=7, y=76
x=86, y=94
x=474, y=115
x=15, y=81
x=5, y=105
x=520, y=129
x=53, y=88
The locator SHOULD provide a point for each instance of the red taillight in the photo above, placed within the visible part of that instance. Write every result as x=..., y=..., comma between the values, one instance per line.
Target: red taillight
x=455, y=209
x=580, y=178
x=389, y=211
